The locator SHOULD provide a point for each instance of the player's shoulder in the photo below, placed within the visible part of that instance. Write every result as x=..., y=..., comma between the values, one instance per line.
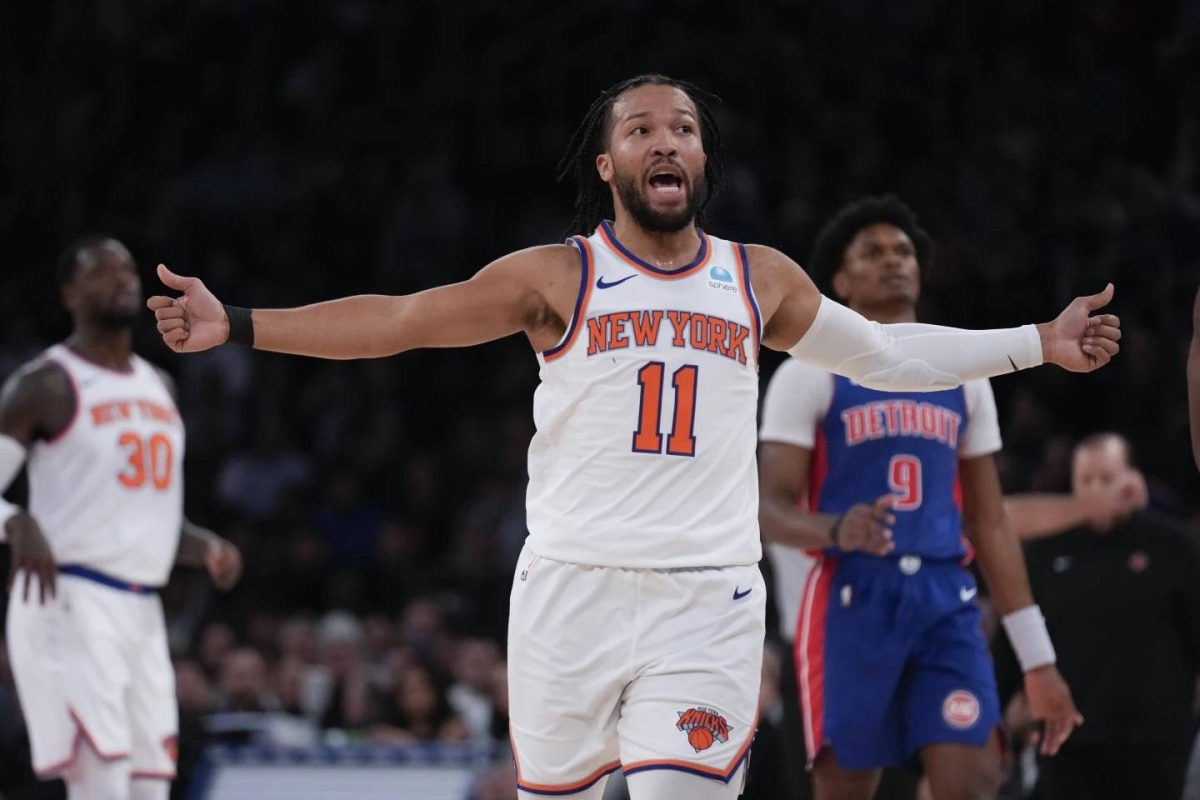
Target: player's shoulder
x=540, y=263
x=168, y=381
x=774, y=274
x=768, y=262
x=42, y=378
x=979, y=395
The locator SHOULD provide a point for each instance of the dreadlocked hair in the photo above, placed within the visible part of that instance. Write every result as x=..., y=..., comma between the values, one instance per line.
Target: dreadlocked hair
x=593, y=202
x=839, y=232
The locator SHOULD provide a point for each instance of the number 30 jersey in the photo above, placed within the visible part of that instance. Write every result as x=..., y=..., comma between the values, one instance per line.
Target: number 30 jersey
x=644, y=455
x=108, y=490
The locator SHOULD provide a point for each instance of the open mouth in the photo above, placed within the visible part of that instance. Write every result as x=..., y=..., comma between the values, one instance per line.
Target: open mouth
x=666, y=183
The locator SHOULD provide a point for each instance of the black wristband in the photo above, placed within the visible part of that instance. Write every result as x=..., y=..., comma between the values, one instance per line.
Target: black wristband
x=837, y=526
x=241, y=326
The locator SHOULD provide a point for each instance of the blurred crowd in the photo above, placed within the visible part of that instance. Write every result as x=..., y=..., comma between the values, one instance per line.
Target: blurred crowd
x=291, y=153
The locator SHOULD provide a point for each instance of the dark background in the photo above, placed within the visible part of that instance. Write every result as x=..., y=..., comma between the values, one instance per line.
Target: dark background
x=290, y=153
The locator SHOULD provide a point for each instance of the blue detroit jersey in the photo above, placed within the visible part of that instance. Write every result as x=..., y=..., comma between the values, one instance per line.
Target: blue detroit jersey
x=872, y=443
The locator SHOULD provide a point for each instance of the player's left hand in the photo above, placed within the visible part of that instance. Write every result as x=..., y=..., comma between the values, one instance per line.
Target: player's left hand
x=1079, y=340
x=31, y=555
x=1050, y=701
x=224, y=563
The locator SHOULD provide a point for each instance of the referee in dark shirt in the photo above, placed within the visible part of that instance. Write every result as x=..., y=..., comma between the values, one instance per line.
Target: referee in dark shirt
x=1122, y=603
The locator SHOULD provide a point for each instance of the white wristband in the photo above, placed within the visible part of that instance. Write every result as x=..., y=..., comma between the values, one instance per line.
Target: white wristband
x=1030, y=640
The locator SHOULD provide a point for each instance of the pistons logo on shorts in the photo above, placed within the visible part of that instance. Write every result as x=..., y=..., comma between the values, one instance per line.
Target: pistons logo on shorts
x=704, y=727
x=960, y=709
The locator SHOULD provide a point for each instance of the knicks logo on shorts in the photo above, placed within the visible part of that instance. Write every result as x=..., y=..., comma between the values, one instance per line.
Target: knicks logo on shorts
x=171, y=745
x=960, y=709
x=704, y=727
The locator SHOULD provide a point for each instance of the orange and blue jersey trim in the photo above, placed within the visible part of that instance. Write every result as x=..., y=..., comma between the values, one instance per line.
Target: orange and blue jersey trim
x=586, y=260
x=692, y=768
x=81, y=734
x=622, y=252
x=557, y=790
x=748, y=296
x=96, y=576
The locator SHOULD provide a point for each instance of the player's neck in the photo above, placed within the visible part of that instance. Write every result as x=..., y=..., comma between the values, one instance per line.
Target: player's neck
x=664, y=250
x=887, y=314
x=106, y=347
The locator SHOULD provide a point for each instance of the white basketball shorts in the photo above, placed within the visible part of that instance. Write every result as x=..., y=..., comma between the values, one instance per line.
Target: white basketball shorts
x=92, y=664
x=631, y=668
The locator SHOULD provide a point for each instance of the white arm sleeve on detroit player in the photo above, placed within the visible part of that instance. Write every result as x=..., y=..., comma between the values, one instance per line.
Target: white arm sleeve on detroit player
x=795, y=403
x=910, y=356
x=982, y=436
x=796, y=400
x=12, y=456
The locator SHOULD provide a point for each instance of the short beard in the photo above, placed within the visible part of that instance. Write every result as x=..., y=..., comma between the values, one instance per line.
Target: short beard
x=116, y=320
x=647, y=217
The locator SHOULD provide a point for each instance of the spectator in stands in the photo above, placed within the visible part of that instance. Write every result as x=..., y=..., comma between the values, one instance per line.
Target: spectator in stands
x=419, y=712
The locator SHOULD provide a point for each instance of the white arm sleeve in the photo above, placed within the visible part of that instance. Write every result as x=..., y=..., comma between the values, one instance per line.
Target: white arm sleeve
x=982, y=437
x=12, y=457
x=910, y=356
x=796, y=401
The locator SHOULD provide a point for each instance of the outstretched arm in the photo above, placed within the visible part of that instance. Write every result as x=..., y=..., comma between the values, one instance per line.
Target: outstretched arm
x=507, y=296
x=1033, y=516
x=913, y=357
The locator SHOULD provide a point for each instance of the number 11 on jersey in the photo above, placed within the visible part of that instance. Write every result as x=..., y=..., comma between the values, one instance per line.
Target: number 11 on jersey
x=682, y=441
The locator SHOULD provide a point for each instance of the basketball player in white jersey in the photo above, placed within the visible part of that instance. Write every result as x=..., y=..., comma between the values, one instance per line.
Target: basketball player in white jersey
x=637, y=610
x=102, y=440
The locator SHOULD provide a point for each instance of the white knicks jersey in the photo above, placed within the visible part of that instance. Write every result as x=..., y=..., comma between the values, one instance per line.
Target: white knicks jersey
x=108, y=490
x=644, y=455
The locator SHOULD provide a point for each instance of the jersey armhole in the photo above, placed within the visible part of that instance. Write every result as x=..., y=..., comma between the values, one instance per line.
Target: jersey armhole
x=748, y=295
x=585, y=289
x=75, y=402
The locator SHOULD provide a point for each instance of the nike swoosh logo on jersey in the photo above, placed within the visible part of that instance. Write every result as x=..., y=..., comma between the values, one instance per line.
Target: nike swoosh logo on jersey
x=600, y=284
x=739, y=595
x=967, y=595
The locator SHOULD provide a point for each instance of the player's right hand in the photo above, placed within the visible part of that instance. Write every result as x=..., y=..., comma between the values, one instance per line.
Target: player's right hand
x=868, y=527
x=30, y=554
x=193, y=322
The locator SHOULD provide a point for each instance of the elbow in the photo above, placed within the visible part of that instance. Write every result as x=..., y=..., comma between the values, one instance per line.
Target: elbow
x=886, y=372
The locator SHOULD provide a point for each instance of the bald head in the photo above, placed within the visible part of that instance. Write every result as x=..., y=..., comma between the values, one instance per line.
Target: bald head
x=99, y=282
x=1107, y=444
x=1103, y=474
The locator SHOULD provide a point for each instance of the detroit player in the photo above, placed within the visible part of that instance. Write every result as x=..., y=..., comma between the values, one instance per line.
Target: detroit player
x=104, y=445
x=890, y=656
x=637, y=609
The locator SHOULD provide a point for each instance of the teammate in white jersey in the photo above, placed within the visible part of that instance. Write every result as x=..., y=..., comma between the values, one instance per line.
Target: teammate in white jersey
x=637, y=611
x=103, y=442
